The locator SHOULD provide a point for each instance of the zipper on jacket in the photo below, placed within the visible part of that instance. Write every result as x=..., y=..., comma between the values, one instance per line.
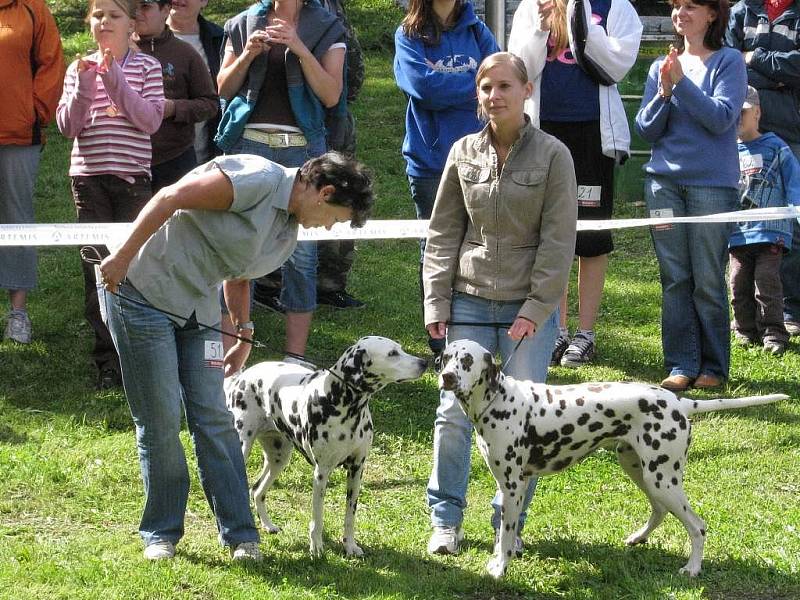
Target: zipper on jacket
x=494, y=190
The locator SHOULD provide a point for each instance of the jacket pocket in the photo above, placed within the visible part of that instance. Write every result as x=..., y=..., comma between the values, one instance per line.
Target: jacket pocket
x=476, y=183
x=529, y=177
x=472, y=174
x=522, y=198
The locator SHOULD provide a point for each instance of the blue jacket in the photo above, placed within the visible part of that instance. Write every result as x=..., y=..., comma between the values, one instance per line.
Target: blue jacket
x=774, y=69
x=440, y=84
x=770, y=178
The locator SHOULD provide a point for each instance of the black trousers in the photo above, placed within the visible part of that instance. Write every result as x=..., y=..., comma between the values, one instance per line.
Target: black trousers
x=105, y=199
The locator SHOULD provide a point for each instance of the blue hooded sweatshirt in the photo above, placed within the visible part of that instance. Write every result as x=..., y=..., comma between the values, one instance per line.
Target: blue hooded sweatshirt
x=440, y=84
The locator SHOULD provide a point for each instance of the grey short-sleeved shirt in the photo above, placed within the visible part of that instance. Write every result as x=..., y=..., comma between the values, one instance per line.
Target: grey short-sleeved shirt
x=180, y=267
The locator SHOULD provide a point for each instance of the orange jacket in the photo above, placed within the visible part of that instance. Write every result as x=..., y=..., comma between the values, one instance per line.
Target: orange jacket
x=31, y=70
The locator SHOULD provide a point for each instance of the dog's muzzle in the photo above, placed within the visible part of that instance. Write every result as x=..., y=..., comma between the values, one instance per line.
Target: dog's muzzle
x=448, y=381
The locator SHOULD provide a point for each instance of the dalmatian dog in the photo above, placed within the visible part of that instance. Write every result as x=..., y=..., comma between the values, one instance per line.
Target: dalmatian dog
x=324, y=414
x=527, y=429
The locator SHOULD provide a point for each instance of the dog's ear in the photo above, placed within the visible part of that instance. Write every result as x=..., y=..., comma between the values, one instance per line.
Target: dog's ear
x=492, y=372
x=449, y=381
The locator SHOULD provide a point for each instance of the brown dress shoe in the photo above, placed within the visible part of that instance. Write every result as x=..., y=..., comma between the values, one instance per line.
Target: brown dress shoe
x=676, y=383
x=706, y=381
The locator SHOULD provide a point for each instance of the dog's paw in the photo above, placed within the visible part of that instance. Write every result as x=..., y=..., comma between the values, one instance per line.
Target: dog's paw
x=352, y=549
x=268, y=525
x=689, y=570
x=636, y=538
x=496, y=567
x=316, y=549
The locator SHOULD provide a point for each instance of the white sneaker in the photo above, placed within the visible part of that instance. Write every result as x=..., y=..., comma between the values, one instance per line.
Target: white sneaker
x=247, y=551
x=160, y=551
x=18, y=327
x=445, y=540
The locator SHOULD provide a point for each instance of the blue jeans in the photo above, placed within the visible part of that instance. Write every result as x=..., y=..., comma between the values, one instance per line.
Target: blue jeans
x=166, y=370
x=299, y=273
x=423, y=193
x=695, y=317
x=790, y=269
x=790, y=277
x=452, y=434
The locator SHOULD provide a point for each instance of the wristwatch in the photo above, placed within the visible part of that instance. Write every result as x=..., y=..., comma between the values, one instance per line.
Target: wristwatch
x=249, y=326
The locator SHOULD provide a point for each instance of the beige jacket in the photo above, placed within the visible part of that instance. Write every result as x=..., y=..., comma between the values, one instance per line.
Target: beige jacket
x=502, y=237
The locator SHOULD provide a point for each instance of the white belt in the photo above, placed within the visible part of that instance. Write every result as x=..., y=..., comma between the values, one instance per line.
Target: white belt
x=275, y=140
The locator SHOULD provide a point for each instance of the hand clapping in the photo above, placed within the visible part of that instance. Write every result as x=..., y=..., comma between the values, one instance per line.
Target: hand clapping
x=670, y=72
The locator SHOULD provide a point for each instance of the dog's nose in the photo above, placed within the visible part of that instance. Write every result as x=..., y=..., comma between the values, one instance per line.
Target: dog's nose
x=448, y=381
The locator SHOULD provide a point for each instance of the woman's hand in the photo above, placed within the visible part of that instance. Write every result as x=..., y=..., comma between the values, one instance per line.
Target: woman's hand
x=236, y=357
x=545, y=14
x=665, y=79
x=437, y=330
x=113, y=270
x=521, y=328
x=257, y=42
x=283, y=32
x=675, y=67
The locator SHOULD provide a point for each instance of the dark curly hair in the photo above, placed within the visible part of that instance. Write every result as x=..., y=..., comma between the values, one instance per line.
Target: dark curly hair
x=351, y=180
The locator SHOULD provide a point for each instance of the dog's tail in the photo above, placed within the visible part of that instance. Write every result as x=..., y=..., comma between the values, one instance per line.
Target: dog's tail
x=703, y=406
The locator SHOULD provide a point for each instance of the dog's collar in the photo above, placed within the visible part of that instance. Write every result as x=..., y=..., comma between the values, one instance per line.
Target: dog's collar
x=488, y=406
x=346, y=384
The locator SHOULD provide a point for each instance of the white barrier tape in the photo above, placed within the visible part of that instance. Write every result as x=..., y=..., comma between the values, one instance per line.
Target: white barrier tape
x=110, y=234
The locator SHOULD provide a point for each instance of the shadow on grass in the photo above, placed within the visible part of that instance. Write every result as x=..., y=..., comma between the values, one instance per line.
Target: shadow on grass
x=10, y=436
x=573, y=568
x=382, y=572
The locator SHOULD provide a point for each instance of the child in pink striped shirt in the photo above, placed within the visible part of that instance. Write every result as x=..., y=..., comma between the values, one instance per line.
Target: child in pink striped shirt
x=113, y=100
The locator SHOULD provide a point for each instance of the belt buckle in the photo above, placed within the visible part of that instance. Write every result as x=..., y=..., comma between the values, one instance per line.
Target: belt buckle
x=285, y=137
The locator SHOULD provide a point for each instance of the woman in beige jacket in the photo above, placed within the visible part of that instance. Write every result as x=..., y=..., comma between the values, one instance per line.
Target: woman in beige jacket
x=497, y=260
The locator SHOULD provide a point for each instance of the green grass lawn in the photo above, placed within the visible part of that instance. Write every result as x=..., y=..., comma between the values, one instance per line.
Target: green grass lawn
x=70, y=492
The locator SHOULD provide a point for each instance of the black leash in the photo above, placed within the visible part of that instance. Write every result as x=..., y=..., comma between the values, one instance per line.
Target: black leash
x=503, y=368
x=97, y=259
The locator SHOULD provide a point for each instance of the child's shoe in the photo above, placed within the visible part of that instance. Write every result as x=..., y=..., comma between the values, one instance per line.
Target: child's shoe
x=775, y=347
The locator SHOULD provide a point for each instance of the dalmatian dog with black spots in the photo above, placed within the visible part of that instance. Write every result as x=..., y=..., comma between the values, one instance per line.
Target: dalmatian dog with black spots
x=324, y=414
x=527, y=429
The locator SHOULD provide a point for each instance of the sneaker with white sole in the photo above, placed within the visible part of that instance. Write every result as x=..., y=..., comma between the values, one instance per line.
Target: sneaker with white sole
x=18, y=327
x=247, y=551
x=162, y=550
x=445, y=540
x=519, y=546
x=580, y=352
x=562, y=343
